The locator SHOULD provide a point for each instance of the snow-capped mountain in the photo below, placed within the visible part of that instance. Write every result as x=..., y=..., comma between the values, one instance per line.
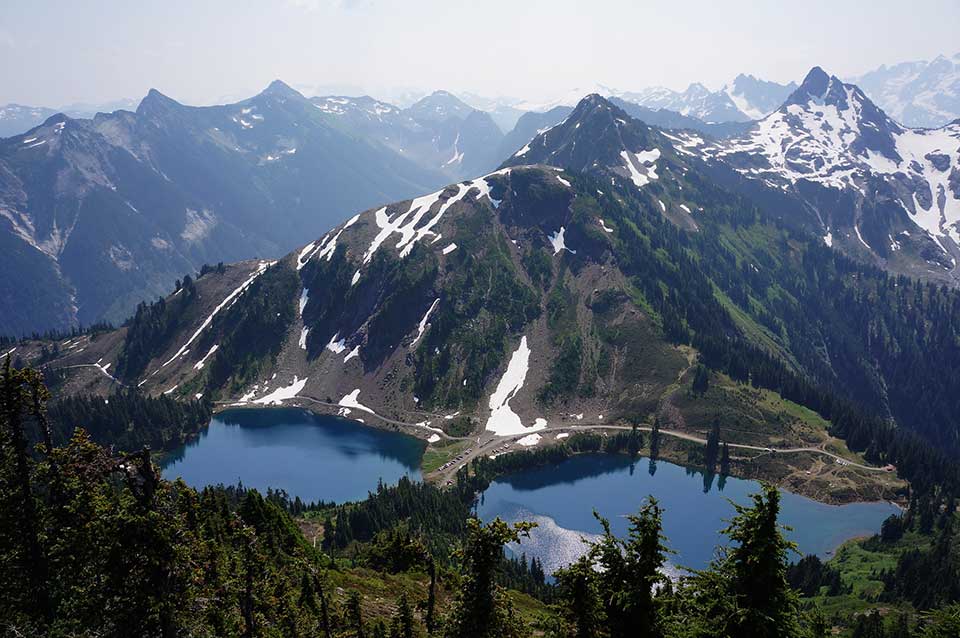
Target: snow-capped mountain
x=440, y=132
x=503, y=110
x=696, y=101
x=874, y=186
x=757, y=98
x=921, y=94
x=102, y=213
x=534, y=296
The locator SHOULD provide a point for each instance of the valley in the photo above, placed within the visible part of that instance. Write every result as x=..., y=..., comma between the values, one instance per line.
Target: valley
x=680, y=363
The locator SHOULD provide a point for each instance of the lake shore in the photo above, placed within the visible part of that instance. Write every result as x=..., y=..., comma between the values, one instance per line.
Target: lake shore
x=798, y=472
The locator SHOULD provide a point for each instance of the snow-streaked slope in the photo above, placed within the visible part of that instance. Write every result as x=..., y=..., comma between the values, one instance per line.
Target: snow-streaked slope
x=830, y=134
x=922, y=93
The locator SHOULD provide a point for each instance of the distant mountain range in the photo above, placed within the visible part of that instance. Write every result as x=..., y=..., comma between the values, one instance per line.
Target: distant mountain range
x=879, y=190
x=16, y=118
x=98, y=214
x=921, y=94
x=572, y=283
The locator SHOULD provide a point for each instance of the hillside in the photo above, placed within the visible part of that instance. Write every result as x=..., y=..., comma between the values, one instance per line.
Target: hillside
x=539, y=298
x=881, y=192
x=99, y=214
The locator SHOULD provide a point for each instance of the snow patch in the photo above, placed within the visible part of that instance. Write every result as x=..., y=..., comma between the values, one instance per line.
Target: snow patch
x=304, y=298
x=530, y=440
x=556, y=240
x=350, y=401
x=336, y=346
x=503, y=421
x=199, y=364
x=280, y=395
x=421, y=328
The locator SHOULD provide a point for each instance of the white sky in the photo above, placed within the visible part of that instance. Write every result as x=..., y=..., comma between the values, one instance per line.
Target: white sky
x=56, y=52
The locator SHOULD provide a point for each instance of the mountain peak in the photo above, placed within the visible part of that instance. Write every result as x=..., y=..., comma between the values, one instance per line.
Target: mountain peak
x=155, y=100
x=56, y=118
x=816, y=81
x=279, y=88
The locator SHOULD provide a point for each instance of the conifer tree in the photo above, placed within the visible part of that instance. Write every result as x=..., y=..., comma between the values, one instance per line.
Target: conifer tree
x=481, y=610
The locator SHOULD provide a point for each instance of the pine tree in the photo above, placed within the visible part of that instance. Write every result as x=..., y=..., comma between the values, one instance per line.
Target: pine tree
x=757, y=566
x=579, y=598
x=354, y=613
x=404, y=618
x=631, y=571
x=701, y=380
x=481, y=610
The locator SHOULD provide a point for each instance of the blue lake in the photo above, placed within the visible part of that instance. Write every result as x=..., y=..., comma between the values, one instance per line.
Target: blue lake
x=333, y=459
x=561, y=500
x=313, y=457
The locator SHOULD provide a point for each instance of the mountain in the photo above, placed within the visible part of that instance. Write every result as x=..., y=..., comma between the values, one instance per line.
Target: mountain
x=663, y=118
x=920, y=94
x=588, y=276
x=696, y=101
x=503, y=110
x=757, y=98
x=746, y=98
x=16, y=118
x=99, y=214
x=528, y=126
x=439, y=133
x=439, y=106
x=878, y=190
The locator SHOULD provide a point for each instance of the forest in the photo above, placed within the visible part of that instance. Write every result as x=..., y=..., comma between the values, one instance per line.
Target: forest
x=94, y=543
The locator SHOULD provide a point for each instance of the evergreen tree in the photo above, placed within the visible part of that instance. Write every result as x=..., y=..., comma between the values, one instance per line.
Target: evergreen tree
x=481, y=610
x=757, y=566
x=631, y=572
x=701, y=380
x=712, y=451
x=404, y=618
x=354, y=613
x=579, y=598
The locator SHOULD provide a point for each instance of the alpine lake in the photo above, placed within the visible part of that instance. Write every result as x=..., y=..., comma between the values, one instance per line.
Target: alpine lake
x=324, y=458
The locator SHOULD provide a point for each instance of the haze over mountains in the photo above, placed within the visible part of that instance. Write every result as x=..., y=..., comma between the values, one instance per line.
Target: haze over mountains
x=102, y=213
x=559, y=285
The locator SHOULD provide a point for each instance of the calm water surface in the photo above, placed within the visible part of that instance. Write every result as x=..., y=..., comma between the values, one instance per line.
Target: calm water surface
x=332, y=459
x=313, y=457
x=561, y=500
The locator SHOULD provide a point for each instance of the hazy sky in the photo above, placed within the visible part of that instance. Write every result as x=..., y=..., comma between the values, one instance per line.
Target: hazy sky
x=198, y=51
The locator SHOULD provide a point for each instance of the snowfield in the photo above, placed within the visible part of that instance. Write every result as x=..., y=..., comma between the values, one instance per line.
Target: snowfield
x=350, y=401
x=503, y=421
x=278, y=396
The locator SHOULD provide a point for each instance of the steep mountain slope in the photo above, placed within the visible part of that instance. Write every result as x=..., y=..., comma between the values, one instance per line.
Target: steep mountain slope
x=921, y=94
x=439, y=132
x=878, y=190
x=115, y=208
x=537, y=297
x=529, y=126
